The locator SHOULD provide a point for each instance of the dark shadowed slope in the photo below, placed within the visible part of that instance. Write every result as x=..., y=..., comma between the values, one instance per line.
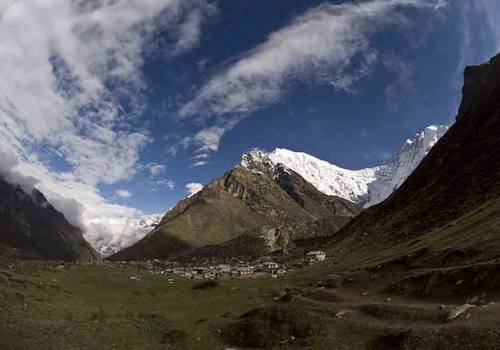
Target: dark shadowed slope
x=275, y=210
x=31, y=228
x=438, y=207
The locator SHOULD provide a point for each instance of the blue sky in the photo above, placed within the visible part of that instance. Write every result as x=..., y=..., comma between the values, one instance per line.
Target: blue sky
x=417, y=83
x=117, y=106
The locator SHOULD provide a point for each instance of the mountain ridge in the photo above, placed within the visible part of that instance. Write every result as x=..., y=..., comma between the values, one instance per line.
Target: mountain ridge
x=30, y=227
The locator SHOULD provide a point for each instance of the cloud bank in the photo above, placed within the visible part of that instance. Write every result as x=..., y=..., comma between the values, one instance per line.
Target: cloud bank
x=71, y=93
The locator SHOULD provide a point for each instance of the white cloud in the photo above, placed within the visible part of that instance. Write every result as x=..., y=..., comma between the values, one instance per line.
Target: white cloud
x=199, y=163
x=189, y=32
x=209, y=139
x=156, y=169
x=329, y=44
x=170, y=184
x=56, y=74
x=123, y=194
x=201, y=156
x=193, y=188
x=71, y=88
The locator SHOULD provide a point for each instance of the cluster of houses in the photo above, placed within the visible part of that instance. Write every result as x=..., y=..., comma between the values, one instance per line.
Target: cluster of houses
x=226, y=270
x=208, y=270
x=240, y=269
x=315, y=256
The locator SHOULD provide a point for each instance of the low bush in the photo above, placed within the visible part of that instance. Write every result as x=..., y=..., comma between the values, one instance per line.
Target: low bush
x=175, y=336
x=206, y=285
x=273, y=325
x=98, y=315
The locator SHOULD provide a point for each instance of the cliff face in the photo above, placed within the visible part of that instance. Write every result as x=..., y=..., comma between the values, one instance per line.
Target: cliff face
x=476, y=79
x=31, y=228
x=238, y=208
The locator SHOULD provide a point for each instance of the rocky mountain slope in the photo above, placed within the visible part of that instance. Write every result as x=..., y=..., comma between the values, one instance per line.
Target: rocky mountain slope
x=448, y=210
x=274, y=209
x=365, y=187
x=31, y=228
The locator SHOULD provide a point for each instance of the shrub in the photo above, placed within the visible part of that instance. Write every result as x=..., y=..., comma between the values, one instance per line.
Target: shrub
x=174, y=336
x=98, y=315
x=151, y=322
x=206, y=285
x=273, y=325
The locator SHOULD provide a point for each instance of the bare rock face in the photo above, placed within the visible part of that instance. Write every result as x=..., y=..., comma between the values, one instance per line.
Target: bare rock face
x=457, y=312
x=475, y=79
x=31, y=228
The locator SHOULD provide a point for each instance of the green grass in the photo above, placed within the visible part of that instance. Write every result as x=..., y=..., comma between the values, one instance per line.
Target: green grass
x=99, y=307
x=87, y=307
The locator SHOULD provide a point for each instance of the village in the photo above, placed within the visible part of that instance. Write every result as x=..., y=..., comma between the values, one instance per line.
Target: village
x=239, y=269
x=234, y=269
x=209, y=270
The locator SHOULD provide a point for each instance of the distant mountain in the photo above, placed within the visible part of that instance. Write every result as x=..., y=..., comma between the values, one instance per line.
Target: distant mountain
x=270, y=209
x=327, y=178
x=31, y=228
x=365, y=187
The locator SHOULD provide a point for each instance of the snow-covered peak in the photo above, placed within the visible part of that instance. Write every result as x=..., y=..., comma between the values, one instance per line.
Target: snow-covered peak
x=367, y=186
x=392, y=175
x=328, y=178
x=258, y=161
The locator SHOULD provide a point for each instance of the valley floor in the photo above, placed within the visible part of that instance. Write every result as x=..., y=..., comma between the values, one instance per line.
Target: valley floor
x=100, y=307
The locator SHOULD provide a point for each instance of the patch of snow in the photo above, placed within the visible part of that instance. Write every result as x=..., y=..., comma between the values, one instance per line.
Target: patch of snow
x=150, y=221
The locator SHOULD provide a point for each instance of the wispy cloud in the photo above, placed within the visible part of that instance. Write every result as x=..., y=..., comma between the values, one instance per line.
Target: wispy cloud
x=491, y=12
x=199, y=163
x=164, y=183
x=329, y=44
x=156, y=169
x=209, y=139
x=480, y=33
x=123, y=194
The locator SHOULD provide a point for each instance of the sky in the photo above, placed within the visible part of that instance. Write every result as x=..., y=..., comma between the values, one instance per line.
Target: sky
x=116, y=109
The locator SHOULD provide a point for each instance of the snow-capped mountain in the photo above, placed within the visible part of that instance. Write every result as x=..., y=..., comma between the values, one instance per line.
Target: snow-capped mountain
x=367, y=186
x=328, y=178
x=150, y=221
x=392, y=175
